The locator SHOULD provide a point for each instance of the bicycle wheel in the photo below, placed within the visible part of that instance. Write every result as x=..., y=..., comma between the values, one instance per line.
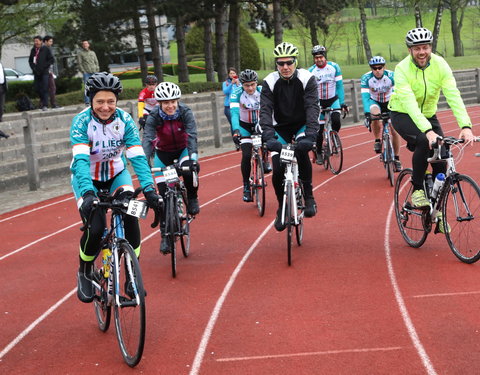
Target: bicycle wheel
x=388, y=160
x=103, y=311
x=326, y=152
x=335, y=158
x=129, y=309
x=171, y=229
x=259, y=185
x=461, y=213
x=411, y=221
x=300, y=207
x=288, y=222
x=184, y=225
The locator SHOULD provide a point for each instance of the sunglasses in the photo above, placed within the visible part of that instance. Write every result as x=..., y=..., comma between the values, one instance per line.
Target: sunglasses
x=377, y=67
x=282, y=63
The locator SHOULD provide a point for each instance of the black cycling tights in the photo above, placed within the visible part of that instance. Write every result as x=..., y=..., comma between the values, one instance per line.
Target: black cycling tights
x=246, y=164
x=417, y=142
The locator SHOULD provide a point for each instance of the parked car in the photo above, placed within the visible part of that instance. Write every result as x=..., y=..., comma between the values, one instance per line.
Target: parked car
x=16, y=75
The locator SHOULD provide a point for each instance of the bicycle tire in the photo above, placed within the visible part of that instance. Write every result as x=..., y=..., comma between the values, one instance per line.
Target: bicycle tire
x=184, y=226
x=326, y=153
x=335, y=157
x=170, y=230
x=460, y=208
x=411, y=221
x=130, y=314
x=259, y=184
x=300, y=209
x=288, y=222
x=388, y=161
x=101, y=305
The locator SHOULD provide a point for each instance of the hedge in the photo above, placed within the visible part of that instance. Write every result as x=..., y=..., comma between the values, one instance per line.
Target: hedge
x=198, y=67
x=64, y=85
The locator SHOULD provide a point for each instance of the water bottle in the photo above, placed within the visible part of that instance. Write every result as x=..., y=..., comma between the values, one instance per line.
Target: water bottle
x=439, y=180
x=106, y=254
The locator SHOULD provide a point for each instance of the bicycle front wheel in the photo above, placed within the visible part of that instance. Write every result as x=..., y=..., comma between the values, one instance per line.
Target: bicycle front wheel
x=171, y=229
x=129, y=305
x=101, y=305
x=388, y=160
x=259, y=185
x=335, y=157
x=461, y=218
x=300, y=208
x=288, y=222
x=184, y=225
x=411, y=221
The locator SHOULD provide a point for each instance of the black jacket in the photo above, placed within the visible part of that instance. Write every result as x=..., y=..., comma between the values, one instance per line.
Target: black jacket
x=44, y=60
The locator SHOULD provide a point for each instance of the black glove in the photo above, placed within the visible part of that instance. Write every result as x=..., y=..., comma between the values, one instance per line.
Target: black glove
x=345, y=108
x=142, y=122
x=87, y=205
x=154, y=200
x=236, y=137
x=274, y=145
x=192, y=164
x=304, y=144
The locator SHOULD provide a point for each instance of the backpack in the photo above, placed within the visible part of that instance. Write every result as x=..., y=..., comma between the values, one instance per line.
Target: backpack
x=24, y=103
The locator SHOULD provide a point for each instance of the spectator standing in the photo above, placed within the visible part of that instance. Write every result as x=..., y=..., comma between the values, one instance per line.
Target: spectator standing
x=40, y=60
x=229, y=85
x=3, y=91
x=52, y=88
x=87, y=64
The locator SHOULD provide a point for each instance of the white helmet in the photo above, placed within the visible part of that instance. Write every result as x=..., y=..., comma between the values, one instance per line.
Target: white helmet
x=419, y=35
x=167, y=91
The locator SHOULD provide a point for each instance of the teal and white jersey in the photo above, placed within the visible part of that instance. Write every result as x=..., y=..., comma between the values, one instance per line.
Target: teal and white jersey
x=98, y=149
x=244, y=107
x=376, y=89
x=329, y=81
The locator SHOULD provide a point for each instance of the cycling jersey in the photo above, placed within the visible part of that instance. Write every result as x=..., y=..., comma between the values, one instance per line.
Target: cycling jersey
x=377, y=89
x=417, y=91
x=146, y=102
x=329, y=80
x=244, y=107
x=98, y=149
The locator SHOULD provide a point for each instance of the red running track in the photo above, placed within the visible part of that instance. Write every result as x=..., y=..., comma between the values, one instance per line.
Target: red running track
x=357, y=299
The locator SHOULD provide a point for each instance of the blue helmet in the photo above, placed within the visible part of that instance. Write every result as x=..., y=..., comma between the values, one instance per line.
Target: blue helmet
x=377, y=60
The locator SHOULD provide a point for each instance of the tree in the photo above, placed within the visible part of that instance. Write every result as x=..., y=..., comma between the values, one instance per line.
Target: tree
x=152, y=33
x=456, y=23
x=437, y=23
x=233, y=43
x=139, y=41
x=220, y=9
x=363, y=29
x=181, y=51
x=418, y=14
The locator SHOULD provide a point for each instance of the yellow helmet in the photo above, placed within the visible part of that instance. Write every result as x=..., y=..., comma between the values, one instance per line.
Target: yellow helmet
x=285, y=50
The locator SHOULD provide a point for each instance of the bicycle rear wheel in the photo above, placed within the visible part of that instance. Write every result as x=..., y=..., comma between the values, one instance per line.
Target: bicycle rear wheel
x=288, y=222
x=184, y=225
x=103, y=310
x=130, y=307
x=171, y=229
x=411, y=221
x=461, y=213
x=335, y=157
x=259, y=185
x=300, y=207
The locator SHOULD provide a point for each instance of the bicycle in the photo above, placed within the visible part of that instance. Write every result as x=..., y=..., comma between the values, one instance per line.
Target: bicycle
x=257, y=174
x=176, y=216
x=387, y=155
x=117, y=278
x=455, y=207
x=332, y=149
x=293, y=203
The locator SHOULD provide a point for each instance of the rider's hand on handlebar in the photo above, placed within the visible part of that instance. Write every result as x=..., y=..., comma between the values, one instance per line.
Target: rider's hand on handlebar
x=236, y=137
x=432, y=138
x=467, y=134
x=274, y=145
x=345, y=108
x=153, y=199
x=304, y=144
x=87, y=205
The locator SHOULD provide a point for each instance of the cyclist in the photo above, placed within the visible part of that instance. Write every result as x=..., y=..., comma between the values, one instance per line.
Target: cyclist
x=418, y=81
x=289, y=108
x=146, y=99
x=376, y=87
x=329, y=79
x=99, y=135
x=245, y=109
x=171, y=134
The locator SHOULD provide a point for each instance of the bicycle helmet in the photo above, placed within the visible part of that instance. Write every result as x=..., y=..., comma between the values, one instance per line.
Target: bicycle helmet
x=248, y=75
x=285, y=50
x=419, y=35
x=151, y=80
x=377, y=60
x=102, y=81
x=319, y=50
x=167, y=91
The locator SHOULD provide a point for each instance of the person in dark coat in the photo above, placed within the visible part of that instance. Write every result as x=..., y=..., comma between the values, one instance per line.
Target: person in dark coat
x=40, y=60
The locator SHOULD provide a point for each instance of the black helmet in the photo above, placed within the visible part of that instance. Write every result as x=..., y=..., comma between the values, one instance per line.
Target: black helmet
x=319, y=50
x=248, y=75
x=102, y=81
x=151, y=80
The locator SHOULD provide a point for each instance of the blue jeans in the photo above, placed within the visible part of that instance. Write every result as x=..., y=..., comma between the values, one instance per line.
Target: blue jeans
x=86, y=76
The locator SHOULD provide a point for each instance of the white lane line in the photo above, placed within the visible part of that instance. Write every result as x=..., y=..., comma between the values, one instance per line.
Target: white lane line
x=400, y=301
x=35, y=209
x=220, y=170
x=26, y=331
x=40, y=239
x=447, y=294
x=305, y=354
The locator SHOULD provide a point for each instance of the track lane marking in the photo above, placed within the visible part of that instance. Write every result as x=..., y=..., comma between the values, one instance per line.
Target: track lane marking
x=453, y=294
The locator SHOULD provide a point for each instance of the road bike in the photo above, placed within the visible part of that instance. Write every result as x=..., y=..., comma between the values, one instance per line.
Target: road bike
x=257, y=174
x=387, y=155
x=117, y=278
x=176, y=217
x=456, y=206
x=293, y=203
x=332, y=149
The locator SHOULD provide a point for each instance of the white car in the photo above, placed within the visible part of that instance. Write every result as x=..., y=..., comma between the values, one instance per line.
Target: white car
x=16, y=75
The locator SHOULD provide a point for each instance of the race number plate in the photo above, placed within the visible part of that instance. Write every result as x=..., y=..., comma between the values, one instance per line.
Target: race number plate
x=287, y=154
x=137, y=209
x=170, y=174
x=257, y=140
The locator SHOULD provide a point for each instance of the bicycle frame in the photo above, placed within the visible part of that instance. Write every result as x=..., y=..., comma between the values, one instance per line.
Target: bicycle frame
x=291, y=179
